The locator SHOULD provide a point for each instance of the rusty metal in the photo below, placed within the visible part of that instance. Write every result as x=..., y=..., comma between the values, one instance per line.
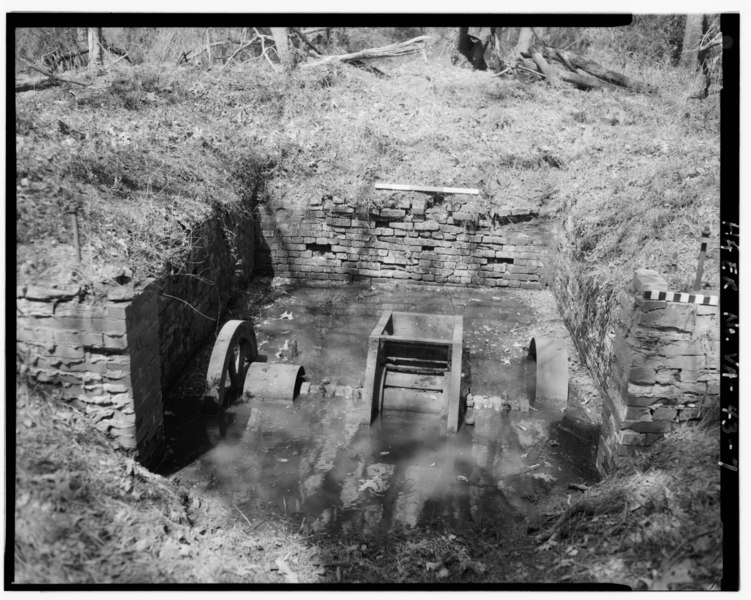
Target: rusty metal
x=414, y=365
x=702, y=253
x=234, y=369
x=279, y=381
x=551, y=369
x=235, y=348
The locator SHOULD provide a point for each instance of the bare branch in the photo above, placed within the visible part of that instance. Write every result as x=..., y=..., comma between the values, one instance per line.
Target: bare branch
x=48, y=74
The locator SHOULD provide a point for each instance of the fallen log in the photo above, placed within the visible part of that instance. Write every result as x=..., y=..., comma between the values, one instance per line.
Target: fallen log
x=543, y=66
x=400, y=49
x=569, y=59
x=47, y=73
x=39, y=84
x=584, y=81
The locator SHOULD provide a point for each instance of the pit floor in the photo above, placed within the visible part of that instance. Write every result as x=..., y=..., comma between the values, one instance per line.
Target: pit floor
x=318, y=460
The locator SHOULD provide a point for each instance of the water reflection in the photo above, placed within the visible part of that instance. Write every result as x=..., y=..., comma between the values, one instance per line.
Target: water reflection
x=320, y=462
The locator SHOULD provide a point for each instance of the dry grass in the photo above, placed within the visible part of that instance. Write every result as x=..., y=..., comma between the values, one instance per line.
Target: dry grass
x=86, y=513
x=146, y=153
x=653, y=524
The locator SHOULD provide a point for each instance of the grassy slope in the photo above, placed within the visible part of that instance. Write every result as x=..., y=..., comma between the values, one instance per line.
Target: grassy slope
x=147, y=151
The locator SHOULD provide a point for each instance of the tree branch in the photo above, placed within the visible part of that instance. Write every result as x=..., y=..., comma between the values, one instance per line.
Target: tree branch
x=48, y=74
x=306, y=40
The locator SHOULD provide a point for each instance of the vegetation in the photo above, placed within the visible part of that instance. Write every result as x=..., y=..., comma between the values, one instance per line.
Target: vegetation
x=86, y=513
x=145, y=150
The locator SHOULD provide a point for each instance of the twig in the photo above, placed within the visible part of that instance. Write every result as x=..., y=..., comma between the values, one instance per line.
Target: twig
x=530, y=70
x=263, y=49
x=306, y=40
x=717, y=41
x=243, y=514
x=240, y=49
x=189, y=304
x=400, y=49
x=684, y=542
x=48, y=74
x=506, y=70
x=118, y=60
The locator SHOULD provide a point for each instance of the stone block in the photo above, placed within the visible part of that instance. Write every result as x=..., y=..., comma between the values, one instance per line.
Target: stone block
x=427, y=226
x=34, y=292
x=121, y=293
x=79, y=338
x=68, y=352
x=648, y=426
x=115, y=341
x=633, y=438
x=32, y=308
x=642, y=375
x=665, y=413
x=638, y=413
x=647, y=279
x=393, y=213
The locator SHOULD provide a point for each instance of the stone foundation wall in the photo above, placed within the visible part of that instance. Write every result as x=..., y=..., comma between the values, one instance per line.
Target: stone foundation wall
x=102, y=356
x=656, y=362
x=115, y=356
x=413, y=240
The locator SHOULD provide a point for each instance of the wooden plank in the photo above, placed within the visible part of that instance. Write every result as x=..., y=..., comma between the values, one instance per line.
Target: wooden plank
x=416, y=342
x=400, y=399
x=435, y=363
x=415, y=370
x=425, y=188
x=413, y=381
x=401, y=351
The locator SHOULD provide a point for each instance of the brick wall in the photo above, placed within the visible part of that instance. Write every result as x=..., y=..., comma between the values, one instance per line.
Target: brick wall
x=412, y=240
x=101, y=355
x=115, y=356
x=220, y=265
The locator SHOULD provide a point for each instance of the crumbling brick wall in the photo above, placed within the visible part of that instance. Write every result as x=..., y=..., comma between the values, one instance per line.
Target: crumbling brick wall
x=446, y=243
x=115, y=356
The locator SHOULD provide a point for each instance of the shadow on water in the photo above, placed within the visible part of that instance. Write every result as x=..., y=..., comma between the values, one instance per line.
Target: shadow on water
x=318, y=462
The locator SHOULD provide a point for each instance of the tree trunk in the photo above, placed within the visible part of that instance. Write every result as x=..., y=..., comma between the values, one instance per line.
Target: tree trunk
x=543, y=65
x=524, y=41
x=95, y=47
x=572, y=60
x=283, y=50
x=468, y=47
x=460, y=47
x=82, y=38
x=691, y=41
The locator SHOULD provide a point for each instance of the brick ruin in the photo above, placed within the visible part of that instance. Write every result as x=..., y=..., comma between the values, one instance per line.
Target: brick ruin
x=116, y=356
x=445, y=243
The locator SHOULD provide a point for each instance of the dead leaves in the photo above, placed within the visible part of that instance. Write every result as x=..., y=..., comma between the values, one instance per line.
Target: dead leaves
x=289, y=575
x=671, y=578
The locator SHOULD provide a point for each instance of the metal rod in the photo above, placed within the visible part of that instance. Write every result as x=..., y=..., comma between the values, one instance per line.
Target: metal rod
x=76, y=239
x=425, y=188
x=702, y=254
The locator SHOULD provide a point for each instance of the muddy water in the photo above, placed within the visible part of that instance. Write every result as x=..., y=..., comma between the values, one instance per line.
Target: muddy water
x=318, y=459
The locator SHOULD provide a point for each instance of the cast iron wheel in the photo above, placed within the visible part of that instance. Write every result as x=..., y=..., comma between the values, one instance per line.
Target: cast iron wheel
x=234, y=350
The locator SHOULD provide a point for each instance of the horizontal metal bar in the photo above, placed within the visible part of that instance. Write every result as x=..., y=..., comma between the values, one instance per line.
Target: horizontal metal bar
x=425, y=188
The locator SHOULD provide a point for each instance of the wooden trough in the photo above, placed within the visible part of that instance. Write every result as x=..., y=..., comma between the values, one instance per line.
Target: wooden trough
x=414, y=365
